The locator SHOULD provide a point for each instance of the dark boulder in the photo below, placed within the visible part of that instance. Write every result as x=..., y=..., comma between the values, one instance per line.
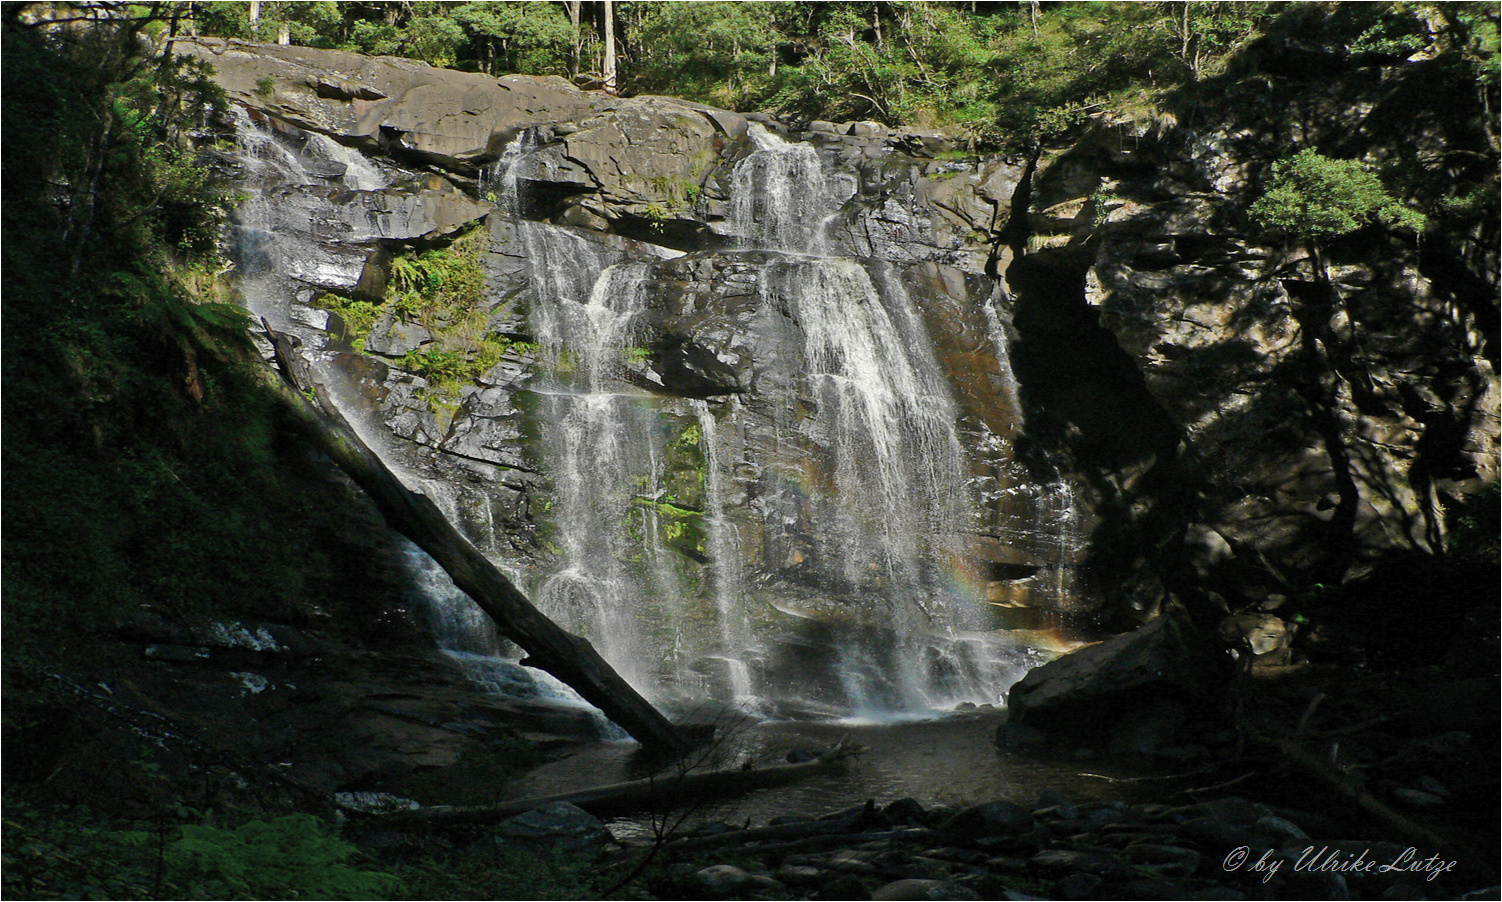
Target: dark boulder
x=1131, y=695
x=559, y=827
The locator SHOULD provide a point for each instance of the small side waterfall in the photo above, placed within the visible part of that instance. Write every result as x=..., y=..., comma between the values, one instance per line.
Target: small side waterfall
x=1054, y=503
x=780, y=196
x=725, y=555
x=600, y=455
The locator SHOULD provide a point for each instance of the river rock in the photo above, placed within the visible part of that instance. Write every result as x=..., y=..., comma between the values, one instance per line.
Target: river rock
x=1128, y=693
x=990, y=819
x=1278, y=829
x=799, y=875
x=904, y=811
x=1265, y=636
x=557, y=826
x=1165, y=859
x=1068, y=860
x=1078, y=886
x=843, y=887
x=721, y=880
x=909, y=889
x=1417, y=798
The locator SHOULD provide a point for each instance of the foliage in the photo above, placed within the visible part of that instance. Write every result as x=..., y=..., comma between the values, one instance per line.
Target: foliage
x=518, y=37
x=1010, y=75
x=291, y=857
x=715, y=51
x=143, y=465
x=358, y=315
x=444, y=290
x=76, y=853
x=497, y=871
x=1475, y=527
x=1314, y=197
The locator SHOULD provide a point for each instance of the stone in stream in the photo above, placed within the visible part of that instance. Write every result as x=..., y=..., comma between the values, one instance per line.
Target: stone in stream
x=1417, y=798
x=1079, y=886
x=1060, y=860
x=904, y=811
x=1130, y=694
x=843, y=887
x=989, y=819
x=1278, y=828
x=1167, y=860
x=558, y=826
x=1216, y=833
x=721, y=880
x=922, y=889
x=798, y=875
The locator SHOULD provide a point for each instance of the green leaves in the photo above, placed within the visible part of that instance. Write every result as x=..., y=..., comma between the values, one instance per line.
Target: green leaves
x=518, y=37
x=1314, y=197
x=290, y=857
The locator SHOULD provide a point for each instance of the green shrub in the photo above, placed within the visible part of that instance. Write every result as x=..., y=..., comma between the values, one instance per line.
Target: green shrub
x=443, y=289
x=1314, y=197
x=74, y=853
x=291, y=857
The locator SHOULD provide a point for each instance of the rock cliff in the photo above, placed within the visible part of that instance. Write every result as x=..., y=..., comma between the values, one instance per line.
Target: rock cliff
x=1151, y=399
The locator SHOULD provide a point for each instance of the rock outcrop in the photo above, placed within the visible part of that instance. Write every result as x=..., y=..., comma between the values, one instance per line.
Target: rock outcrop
x=1131, y=695
x=1180, y=406
x=1304, y=430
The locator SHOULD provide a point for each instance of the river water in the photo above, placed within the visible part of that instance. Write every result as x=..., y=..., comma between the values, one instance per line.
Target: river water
x=946, y=761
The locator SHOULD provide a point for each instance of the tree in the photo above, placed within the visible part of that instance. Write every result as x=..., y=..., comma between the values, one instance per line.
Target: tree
x=608, y=26
x=519, y=37
x=1312, y=197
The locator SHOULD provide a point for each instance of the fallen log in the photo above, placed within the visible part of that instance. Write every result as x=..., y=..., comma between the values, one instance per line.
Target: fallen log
x=549, y=647
x=653, y=792
x=1331, y=776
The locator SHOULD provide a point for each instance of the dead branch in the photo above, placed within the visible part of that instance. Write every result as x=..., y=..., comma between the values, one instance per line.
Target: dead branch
x=1331, y=776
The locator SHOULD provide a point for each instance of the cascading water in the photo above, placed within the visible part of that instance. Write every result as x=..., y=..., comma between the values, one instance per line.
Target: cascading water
x=888, y=523
x=599, y=451
x=285, y=196
x=822, y=563
x=780, y=197
x=1054, y=502
x=725, y=554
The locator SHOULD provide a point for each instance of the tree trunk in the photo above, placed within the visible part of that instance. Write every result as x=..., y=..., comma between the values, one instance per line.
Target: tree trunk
x=661, y=792
x=574, y=12
x=609, y=29
x=568, y=657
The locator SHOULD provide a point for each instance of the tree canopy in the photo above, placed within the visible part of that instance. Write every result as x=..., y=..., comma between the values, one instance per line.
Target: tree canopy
x=1009, y=74
x=1313, y=197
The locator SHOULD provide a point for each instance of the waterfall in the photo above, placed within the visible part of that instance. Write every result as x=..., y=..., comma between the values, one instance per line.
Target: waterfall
x=1055, y=504
x=499, y=180
x=359, y=173
x=780, y=197
x=809, y=551
x=599, y=459
x=724, y=555
x=889, y=527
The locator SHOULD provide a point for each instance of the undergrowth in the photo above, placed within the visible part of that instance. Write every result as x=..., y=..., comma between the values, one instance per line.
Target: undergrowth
x=79, y=854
